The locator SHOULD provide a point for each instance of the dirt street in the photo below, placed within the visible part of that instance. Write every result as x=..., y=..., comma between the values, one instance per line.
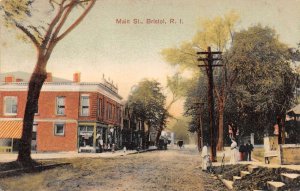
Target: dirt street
x=174, y=169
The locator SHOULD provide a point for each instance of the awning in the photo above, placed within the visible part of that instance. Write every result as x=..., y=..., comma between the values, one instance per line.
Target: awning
x=11, y=129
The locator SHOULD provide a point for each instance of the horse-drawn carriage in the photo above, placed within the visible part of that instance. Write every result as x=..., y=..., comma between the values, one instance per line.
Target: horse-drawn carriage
x=162, y=143
x=180, y=143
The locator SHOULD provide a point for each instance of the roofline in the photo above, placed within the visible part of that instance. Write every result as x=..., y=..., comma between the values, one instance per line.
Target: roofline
x=12, y=85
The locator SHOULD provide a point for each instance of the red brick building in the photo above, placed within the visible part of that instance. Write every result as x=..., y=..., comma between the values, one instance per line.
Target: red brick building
x=71, y=116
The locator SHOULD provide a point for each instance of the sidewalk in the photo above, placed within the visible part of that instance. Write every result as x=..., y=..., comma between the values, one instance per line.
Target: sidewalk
x=262, y=164
x=8, y=157
x=254, y=162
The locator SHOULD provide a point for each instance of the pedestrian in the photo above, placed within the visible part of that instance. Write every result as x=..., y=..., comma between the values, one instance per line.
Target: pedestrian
x=234, y=152
x=205, y=157
x=249, y=149
x=242, y=150
x=100, y=144
x=113, y=148
x=230, y=131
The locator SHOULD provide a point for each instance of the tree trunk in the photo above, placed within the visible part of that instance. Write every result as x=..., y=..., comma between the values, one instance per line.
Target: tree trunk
x=220, y=144
x=145, y=141
x=35, y=84
x=199, y=137
x=281, y=125
x=283, y=129
x=199, y=131
x=158, y=135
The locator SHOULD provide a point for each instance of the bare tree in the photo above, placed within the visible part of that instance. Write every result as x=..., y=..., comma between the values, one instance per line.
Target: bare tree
x=19, y=14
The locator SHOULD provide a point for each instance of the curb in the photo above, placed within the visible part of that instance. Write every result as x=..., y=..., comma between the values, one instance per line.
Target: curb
x=141, y=151
x=39, y=168
x=225, y=182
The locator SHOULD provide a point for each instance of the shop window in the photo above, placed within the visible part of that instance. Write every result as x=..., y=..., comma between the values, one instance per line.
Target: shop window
x=60, y=105
x=86, y=136
x=59, y=129
x=10, y=105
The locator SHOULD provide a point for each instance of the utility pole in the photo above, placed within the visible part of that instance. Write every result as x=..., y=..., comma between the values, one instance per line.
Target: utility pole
x=208, y=64
x=200, y=123
x=200, y=143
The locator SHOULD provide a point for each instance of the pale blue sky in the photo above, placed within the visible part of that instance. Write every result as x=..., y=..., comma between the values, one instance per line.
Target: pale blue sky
x=128, y=53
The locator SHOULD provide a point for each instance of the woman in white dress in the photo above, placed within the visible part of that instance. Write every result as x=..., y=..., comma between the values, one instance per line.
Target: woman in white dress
x=204, y=156
x=234, y=152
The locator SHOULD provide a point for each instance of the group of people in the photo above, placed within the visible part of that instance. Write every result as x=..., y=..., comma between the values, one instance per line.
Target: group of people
x=243, y=150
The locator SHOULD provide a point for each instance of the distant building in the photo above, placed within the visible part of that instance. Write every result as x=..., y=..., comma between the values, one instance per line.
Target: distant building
x=133, y=132
x=71, y=116
x=170, y=135
x=292, y=124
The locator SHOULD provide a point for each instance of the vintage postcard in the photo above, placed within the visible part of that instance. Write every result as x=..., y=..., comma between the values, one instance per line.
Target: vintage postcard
x=146, y=95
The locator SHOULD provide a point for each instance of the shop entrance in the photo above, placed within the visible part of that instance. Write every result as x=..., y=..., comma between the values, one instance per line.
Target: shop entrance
x=86, y=138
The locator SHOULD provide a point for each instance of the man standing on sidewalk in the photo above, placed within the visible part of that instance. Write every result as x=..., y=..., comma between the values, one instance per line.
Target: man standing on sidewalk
x=249, y=149
x=243, y=152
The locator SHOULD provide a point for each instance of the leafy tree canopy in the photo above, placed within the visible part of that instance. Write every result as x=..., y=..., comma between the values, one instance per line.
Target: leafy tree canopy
x=148, y=103
x=215, y=32
x=263, y=66
x=265, y=80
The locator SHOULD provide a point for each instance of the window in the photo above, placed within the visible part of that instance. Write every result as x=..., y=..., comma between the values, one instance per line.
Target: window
x=113, y=112
x=34, y=130
x=119, y=114
x=100, y=107
x=109, y=111
x=85, y=105
x=59, y=129
x=86, y=128
x=60, y=105
x=10, y=105
x=36, y=110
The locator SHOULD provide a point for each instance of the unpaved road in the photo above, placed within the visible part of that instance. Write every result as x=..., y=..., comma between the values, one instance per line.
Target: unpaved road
x=174, y=169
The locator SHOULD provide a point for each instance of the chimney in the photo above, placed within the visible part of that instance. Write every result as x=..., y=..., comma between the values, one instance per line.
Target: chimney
x=76, y=77
x=9, y=79
x=49, y=77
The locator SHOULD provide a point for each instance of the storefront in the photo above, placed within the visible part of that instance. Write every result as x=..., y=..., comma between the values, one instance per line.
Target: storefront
x=110, y=137
x=96, y=137
x=10, y=134
x=86, y=137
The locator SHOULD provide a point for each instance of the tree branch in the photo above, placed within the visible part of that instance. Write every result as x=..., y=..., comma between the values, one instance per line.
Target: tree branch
x=171, y=103
x=78, y=20
x=28, y=34
x=37, y=31
x=66, y=10
x=64, y=17
x=53, y=24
